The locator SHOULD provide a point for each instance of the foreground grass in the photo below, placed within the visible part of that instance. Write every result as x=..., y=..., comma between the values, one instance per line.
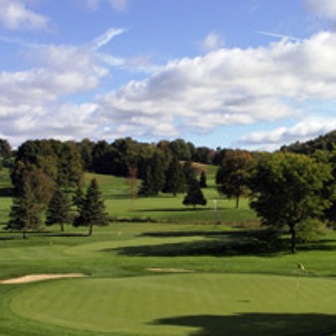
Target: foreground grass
x=182, y=304
x=226, y=292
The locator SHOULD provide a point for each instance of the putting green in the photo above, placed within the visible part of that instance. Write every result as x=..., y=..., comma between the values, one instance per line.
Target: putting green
x=184, y=304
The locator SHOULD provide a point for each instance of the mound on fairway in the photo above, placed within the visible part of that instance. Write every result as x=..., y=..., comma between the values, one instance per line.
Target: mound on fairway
x=184, y=304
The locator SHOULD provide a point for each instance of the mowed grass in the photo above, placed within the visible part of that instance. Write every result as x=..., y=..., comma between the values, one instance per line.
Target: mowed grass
x=184, y=305
x=166, y=207
x=230, y=290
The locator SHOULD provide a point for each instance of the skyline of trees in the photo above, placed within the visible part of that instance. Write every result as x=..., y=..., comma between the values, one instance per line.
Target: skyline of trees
x=41, y=169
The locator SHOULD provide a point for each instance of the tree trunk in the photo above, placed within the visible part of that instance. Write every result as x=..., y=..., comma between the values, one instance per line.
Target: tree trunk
x=293, y=238
x=24, y=236
x=237, y=201
x=62, y=227
x=90, y=230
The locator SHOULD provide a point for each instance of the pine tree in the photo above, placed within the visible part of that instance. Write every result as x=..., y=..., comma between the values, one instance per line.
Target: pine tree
x=194, y=195
x=78, y=198
x=58, y=211
x=92, y=211
x=147, y=188
x=25, y=214
x=203, y=180
x=189, y=172
x=154, y=179
x=175, y=178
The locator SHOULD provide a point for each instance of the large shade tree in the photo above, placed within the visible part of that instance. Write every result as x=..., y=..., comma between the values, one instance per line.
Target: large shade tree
x=232, y=175
x=287, y=190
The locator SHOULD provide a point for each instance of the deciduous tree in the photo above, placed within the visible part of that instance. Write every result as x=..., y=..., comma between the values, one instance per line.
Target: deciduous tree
x=233, y=174
x=287, y=190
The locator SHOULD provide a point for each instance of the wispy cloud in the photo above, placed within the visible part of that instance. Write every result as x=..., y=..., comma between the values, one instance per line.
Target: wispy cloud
x=14, y=15
x=105, y=38
x=118, y=5
x=278, y=36
x=212, y=41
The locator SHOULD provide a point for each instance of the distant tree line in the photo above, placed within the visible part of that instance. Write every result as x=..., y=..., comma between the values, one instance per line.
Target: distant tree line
x=292, y=190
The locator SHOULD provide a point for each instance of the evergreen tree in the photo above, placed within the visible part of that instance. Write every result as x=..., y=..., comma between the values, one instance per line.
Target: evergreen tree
x=158, y=172
x=58, y=211
x=92, y=211
x=25, y=214
x=194, y=195
x=203, y=180
x=78, y=198
x=147, y=185
x=154, y=179
x=189, y=172
x=175, y=178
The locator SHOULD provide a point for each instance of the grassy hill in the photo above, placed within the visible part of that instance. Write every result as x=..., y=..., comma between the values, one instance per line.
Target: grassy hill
x=168, y=271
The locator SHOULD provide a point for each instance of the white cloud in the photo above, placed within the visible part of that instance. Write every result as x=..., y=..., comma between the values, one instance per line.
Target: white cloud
x=118, y=5
x=212, y=41
x=105, y=38
x=323, y=8
x=221, y=88
x=229, y=87
x=14, y=15
x=304, y=130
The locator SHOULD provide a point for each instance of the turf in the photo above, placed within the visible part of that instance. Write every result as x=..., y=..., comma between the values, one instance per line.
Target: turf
x=183, y=304
x=235, y=289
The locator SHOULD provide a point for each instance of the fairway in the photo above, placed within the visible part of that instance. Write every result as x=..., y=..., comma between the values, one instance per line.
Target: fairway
x=184, y=304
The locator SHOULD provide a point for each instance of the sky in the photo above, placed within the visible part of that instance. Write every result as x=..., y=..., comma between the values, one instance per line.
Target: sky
x=250, y=74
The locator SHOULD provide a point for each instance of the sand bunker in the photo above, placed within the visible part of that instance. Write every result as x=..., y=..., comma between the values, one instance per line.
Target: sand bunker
x=40, y=277
x=170, y=270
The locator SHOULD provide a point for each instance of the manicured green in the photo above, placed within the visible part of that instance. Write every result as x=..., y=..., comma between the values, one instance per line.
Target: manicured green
x=183, y=304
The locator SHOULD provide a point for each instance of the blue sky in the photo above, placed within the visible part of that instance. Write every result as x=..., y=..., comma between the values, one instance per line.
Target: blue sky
x=253, y=74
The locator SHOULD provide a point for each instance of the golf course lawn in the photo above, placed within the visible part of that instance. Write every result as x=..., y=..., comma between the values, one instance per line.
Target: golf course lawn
x=184, y=304
x=170, y=270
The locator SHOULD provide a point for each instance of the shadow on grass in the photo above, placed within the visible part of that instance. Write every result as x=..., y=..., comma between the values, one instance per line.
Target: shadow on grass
x=63, y=234
x=225, y=243
x=247, y=324
x=187, y=209
x=6, y=192
x=232, y=243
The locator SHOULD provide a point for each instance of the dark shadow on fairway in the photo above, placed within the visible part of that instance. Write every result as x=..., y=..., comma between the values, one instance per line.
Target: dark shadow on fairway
x=232, y=234
x=174, y=210
x=63, y=234
x=256, y=324
x=231, y=243
x=6, y=192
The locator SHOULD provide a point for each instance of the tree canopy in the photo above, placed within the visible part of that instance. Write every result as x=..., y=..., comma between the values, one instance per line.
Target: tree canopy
x=287, y=190
x=232, y=175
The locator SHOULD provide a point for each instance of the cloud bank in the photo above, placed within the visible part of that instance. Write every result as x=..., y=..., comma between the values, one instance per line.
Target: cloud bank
x=223, y=87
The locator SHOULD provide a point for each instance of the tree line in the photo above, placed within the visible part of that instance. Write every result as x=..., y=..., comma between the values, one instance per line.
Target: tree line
x=289, y=190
